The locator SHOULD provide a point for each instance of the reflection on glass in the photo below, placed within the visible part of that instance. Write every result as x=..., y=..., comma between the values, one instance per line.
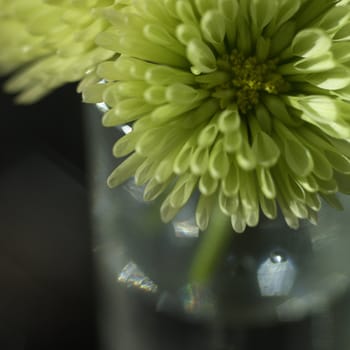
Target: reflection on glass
x=127, y=129
x=133, y=277
x=186, y=228
x=253, y=282
x=135, y=191
x=197, y=300
x=328, y=288
x=276, y=274
x=102, y=107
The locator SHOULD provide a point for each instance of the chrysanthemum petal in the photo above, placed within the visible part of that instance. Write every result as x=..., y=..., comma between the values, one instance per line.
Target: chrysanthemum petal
x=187, y=32
x=238, y=222
x=184, y=94
x=140, y=48
x=268, y=207
x=201, y=57
x=339, y=162
x=154, y=189
x=213, y=29
x=334, y=79
x=203, y=113
x=229, y=119
x=199, y=161
x=262, y=12
x=231, y=183
x=158, y=35
x=343, y=33
x=245, y=156
x=335, y=18
x=278, y=109
x=297, y=155
x=155, y=95
x=131, y=88
x=125, y=170
x=207, y=184
x=163, y=75
x=126, y=111
x=204, y=5
x=313, y=201
x=340, y=51
x=332, y=200
x=185, y=11
x=266, y=150
x=309, y=65
x=327, y=186
x=114, y=70
x=164, y=170
x=203, y=211
x=232, y=142
x=168, y=112
x=322, y=108
x=322, y=167
x=309, y=183
x=167, y=212
x=93, y=93
x=311, y=42
x=252, y=217
x=243, y=36
x=125, y=145
x=312, y=9
x=182, y=191
x=207, y=135
x=280, y=41
x=218, y=161
x=266, y=182
x=286, y=10
x=343, y=181
x=228, y=205
x=248, y=191
x=298, y=158
x=144, y=172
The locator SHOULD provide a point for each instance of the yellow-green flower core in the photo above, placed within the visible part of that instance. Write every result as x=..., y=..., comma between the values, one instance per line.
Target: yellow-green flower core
x=249, y=78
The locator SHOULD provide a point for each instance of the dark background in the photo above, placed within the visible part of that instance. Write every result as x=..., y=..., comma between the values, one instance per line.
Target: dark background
x=47, y=298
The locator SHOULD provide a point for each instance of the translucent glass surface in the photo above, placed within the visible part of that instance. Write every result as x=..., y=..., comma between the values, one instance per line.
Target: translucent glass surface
x=270, y=273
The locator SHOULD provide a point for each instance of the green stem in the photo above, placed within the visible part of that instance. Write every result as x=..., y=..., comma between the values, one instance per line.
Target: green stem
x=212, y=247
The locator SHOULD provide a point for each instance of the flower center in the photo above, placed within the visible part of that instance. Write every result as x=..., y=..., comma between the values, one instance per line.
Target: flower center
x=249, y=79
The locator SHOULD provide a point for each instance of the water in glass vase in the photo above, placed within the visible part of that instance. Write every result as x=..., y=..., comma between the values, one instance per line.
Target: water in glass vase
x=268, y=273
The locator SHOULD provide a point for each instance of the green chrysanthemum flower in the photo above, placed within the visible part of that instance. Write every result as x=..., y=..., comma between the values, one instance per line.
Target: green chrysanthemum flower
x=54, y=39
x=244, y=101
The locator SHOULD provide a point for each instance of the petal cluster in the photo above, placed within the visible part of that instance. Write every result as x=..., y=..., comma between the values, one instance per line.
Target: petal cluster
x=54, y=40
x=244, y=102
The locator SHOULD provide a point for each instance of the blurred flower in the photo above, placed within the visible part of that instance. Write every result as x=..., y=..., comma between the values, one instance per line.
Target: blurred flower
x=245, y=102
x=54, y=42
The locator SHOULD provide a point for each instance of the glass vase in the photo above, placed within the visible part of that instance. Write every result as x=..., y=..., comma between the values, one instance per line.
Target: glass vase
x=269, y=274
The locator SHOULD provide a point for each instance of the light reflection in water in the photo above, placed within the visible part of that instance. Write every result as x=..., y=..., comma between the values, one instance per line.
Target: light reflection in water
x=276, y=275
x=102, y=107
x=134, y=190
x=132, y=277
x=186, y=228
x=329, y=288
x=127, y=129
x=197, y=300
